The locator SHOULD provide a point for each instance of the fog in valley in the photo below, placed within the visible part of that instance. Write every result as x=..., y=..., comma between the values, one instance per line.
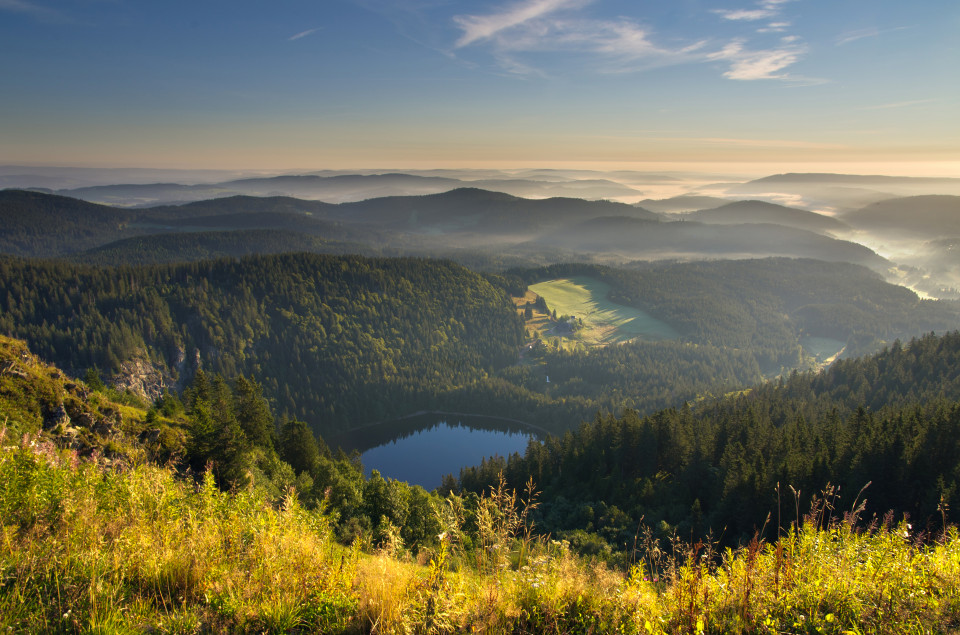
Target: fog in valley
x=905, y=228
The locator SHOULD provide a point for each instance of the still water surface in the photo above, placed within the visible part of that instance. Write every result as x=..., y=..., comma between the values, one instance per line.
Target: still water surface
x=423, y=448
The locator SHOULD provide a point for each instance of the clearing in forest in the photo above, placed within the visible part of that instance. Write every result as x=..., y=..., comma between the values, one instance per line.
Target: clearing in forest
x=604, y=322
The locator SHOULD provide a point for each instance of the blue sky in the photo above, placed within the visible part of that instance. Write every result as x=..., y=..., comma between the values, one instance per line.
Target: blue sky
x=455, y=83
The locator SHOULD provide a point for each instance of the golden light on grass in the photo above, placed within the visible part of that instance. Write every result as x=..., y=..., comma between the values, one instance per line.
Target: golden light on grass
x=85, y=548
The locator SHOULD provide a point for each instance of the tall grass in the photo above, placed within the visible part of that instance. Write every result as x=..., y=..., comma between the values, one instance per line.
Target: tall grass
x=88, y=548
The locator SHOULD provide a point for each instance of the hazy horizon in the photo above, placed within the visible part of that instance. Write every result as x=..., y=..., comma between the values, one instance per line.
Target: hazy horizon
x=718, y=169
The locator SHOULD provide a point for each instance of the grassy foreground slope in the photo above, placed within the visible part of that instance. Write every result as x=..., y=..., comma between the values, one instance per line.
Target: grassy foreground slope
x=85, y=548
x=91, y=545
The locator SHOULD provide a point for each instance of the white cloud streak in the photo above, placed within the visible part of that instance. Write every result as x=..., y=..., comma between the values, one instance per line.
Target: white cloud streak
x=623, y=45
x=534, y=27
x=752, y=65
x=774, y=27
x=899, y=104
x=745, y=14
x=302, y=34
x=486, y=26
x=29, y=8
x=767, y=9
x=853, y=36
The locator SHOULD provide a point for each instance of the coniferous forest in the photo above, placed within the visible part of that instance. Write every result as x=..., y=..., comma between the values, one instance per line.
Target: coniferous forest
x=334, y=340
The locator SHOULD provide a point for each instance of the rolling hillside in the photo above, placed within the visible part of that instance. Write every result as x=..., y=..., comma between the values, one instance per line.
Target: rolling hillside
x=744, y=212
x=931, y=217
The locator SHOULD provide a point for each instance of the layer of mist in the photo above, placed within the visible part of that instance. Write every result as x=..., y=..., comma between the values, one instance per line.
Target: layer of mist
x=904, y=227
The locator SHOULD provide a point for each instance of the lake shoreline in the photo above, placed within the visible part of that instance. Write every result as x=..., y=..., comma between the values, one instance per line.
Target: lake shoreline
x=421, y=447
x=542, y=432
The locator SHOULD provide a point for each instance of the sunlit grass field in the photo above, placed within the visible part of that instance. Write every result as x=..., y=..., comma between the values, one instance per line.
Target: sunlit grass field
x=86, y=548
x=604, y=322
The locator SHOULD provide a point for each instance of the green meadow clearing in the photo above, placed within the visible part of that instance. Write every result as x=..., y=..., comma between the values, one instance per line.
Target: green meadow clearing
x=604, y=322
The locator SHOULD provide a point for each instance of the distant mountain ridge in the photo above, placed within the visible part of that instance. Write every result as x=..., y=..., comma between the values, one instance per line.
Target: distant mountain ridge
x=932, y=216
x=739, y=212
x=339, y=188
x=465, y=219
x=852, y=179
x=682, y=203
x=33, y=223
x=843, y=192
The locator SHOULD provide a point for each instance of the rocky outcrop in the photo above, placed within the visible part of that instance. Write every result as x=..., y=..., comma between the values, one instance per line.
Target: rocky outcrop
x=148, y=379
x=142, y=377
x=55, y=418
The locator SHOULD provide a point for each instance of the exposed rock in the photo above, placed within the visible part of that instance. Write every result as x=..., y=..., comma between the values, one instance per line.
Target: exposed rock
x=10, y=367
x=56, y=418
x=103, y=427
x=79, y=390
x=110, y=421
x=85, y=420
x=150, y=436
x=142, y=378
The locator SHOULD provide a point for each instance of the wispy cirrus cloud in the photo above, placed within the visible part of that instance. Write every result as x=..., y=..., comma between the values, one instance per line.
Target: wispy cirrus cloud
x=481, y=27
x=766, y=9
x=537, y=26
x=745, y=14
x=774, y=27
x=528, y=27
x=746, y=64
x=899, y=104
x=767, y=63
x=32, y=9
x=853, y=36
x=302, y=34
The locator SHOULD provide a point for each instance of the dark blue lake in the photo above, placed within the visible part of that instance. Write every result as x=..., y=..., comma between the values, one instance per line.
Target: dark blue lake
x=424, y=448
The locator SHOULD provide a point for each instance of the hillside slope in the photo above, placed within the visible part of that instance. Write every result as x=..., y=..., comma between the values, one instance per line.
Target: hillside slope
x=930, y=217
x=36, y=224
x=96, y=542
x=338, y=340
x=883, y=428
x=740, y=212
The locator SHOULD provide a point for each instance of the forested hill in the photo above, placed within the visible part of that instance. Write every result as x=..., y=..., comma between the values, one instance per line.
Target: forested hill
x=335, y=340
x=470, y=225
x=766, y=304
x=891, y=420
x=211, y=245
x=482, y=211
x=34, y=223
